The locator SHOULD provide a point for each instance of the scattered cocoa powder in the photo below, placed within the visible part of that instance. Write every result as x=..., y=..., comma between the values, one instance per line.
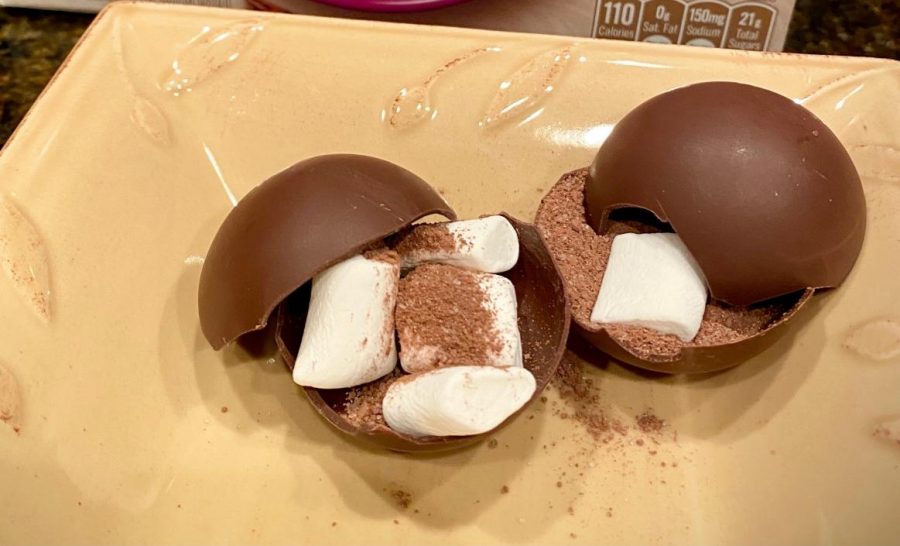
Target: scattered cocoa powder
x=582, y=255
x=402, y=498
x=580, y=401
x=10, y=399
x=887, y=433
x=442, y=308
x=504, y=490
x=362, y=405
x=578, y=391
x=224, y=409
x=649, y=423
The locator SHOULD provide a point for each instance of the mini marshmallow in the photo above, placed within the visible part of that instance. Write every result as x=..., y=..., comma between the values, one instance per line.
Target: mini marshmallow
x=488, y=244
x=501, y=301
x=652, y=280
x=348, y=339
x=423, y=346
x=456, y=401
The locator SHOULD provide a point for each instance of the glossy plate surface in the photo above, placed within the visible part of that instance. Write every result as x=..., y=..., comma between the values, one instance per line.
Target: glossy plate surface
x=121, y=425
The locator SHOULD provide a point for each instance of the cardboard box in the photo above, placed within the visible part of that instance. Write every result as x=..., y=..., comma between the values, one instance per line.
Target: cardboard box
x=737, y=24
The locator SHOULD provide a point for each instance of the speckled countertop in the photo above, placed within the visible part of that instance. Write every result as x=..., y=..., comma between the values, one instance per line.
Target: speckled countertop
x=34, y=43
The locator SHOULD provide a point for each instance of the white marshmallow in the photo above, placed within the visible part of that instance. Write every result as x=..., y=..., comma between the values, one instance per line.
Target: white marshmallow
x=488, y=244
x=652, y=280
x=456, y=401
x=500, y=301
x=348, y=339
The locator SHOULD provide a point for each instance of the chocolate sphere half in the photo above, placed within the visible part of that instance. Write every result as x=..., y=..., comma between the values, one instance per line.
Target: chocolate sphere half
x=298, y=223
x=762, y=193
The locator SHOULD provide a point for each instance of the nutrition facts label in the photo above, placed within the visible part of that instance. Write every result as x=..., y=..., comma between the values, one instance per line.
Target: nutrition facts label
x=707, y=23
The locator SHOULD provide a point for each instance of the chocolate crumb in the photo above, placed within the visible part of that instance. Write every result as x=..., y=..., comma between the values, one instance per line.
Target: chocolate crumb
x=649, y=423
x=402, y=498
x=224, y=409
x=492, y=443
x=582, y=255
x=504, y=490
x=559, y=484
x=334, y=524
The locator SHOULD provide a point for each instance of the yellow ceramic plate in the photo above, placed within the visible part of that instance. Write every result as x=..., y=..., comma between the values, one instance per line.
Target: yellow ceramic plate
x=132, y=430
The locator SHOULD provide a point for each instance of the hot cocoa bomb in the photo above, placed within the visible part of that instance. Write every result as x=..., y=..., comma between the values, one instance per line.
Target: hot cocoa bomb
x=323, y=211
x=759, y=190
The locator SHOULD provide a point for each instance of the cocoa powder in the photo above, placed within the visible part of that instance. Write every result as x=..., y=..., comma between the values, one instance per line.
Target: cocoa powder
x=402, y=498
x=382, y=254
x=583, y=399
x=649, y=423
x=362, y=406
x=425, y=237
x=444, y=307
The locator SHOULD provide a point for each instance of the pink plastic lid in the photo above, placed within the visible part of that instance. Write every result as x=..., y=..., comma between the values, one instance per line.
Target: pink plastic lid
x=391, y=5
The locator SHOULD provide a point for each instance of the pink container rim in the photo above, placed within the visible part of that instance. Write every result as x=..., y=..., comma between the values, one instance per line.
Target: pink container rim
x=391, y=5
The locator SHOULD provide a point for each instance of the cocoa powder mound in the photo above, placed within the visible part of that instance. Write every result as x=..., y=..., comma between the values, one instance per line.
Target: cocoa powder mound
x=582, y=254
x=425, y=237
x=443, y=308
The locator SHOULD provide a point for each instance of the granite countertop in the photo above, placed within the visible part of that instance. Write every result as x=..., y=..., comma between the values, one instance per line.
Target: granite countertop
x=34, y=43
